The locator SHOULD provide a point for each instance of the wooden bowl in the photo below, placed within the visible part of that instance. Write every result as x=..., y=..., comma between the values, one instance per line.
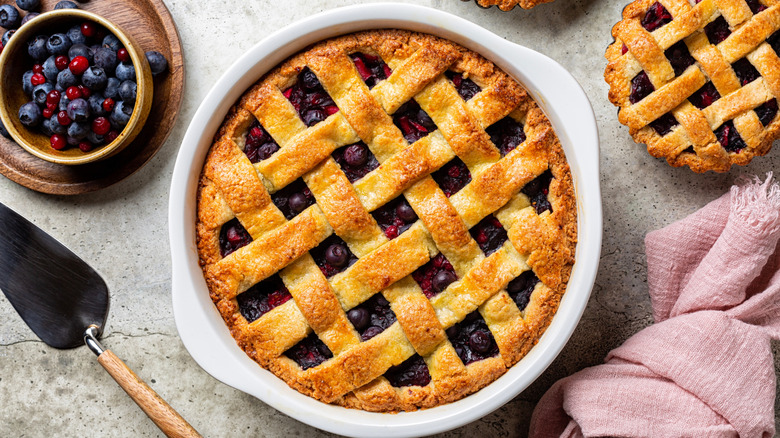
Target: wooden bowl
x=14, y=61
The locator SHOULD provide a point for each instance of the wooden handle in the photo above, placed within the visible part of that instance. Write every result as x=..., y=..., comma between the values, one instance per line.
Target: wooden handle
x=163, y=415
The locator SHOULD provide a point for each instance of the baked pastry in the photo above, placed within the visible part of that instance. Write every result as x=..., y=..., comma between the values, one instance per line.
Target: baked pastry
x=698, y=82
x=386, y=221
x=508, y=5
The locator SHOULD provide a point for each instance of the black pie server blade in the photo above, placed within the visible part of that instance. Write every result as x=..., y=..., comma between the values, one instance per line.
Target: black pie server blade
x=65, y=303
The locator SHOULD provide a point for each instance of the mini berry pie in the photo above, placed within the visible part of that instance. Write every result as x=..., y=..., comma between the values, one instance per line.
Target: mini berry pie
x=697, y=82
x=386, y=221
x=508, y=5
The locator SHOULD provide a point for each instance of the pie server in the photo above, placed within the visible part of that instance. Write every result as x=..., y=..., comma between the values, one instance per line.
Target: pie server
x=65, y=303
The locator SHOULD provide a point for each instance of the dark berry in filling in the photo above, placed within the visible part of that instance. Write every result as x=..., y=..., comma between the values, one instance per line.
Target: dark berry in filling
x=372, y=317
x=489, y=234
x=704, y=96
x=232, y=236
x=774, y=41
x=395, y=217
x=537, y=190
x=434, y=276
x=452, y=177
x=310, y=99
x=472, y=339
x=411, y=372
x=656, y=16
x=767, y=111
x=371, y=68
x=413, y=122
x=333, y=256
x=679, y=56
x=664, y=124
x=262, y=297
x=356, y=160
x=521, y=287
x=259, y=143
x=755, y=6
x=506, y=134
x=729, y=138
x=640, y=87
x=466, y=87
x=717, y=31
x=745, y=71
x=310, y=352
x=293, y=199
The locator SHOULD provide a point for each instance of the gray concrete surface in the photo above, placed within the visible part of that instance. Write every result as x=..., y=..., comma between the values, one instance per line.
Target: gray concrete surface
x=122, y=232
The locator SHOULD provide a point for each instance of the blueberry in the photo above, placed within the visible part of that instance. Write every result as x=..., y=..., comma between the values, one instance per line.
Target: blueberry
x=95, y=78
x=7, y=36
x=78, y=130
x=64, y=101
x=95, y=101
x=65, y=4
x=336, y=255
x=46, y=128
x=356, y=155
x=127, y=91
x=297, y=201
x=121, y=114
x=479, y=341
x=95, y=138
x=50, y=69
x=78, y=110
x=9, y=17
x=157, y=62
x=58, y=44
x=105, y=58
x=112, y=88
x=75, y=35
x=79, y=49
x=72, y=141
x=66, y=79
x=405, y=213
x=313, y=117
x=125, y=71
x=55, y=126
x=309, y=80
x=29, y=17
x=36, y=48
x=442, y=280
x=30, y=115
x=40, y=92
x=112, y=42
x=359, y=318
x=27, y=86
x=3, y=131
x=28, y=5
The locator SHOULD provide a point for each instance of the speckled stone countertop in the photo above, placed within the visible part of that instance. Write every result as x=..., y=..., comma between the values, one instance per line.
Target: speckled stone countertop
x=122, y=232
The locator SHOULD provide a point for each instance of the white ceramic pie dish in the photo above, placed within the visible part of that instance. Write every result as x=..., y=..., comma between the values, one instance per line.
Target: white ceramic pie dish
x=200, y=326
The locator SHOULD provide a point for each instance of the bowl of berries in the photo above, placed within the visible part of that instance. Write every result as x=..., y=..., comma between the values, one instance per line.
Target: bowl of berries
x=74, y=88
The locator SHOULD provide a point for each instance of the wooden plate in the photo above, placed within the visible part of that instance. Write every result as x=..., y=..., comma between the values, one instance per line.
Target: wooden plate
x=152, y=26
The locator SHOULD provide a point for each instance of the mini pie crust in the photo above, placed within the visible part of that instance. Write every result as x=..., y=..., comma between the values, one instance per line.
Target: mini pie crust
x=508, y=5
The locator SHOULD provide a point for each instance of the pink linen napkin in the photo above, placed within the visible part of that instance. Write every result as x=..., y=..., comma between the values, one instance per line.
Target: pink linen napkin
x=705, y=369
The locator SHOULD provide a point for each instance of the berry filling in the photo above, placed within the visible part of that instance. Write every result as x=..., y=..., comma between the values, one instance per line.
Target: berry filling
x=774, y=41
x=640, y=87
x=680, y=58
x=262, y=297
x=506, y=134
x=395, y=217
x=755, y=6
x=309, y=353
x=259, y=144
x=489, y=234
x=704, y=96
x=233, y=236
x=333, y=256
x=413, y=122
x=664, y=124
x=371, y=68
x=472, y=339
x=310, y=100
x=729, y=138
x=767, y=111
x=656, y=16
x=372, y=317
x=521, y=287
x=452, y=177
x=293, y=199
x=356, y=160
x=466, y=87
x=537, y=190
x=411, y=372
x=717, y=31
x=434, y=276
x=745, y=71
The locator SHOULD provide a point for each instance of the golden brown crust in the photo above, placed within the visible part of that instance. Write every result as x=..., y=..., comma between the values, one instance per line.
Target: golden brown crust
x=693, y=142
x=233, y=187
x=508, y=5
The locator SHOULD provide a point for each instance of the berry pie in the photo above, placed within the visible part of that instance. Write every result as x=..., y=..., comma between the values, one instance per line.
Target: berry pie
x=386, y=221
x=697, y=81
x=508, y=5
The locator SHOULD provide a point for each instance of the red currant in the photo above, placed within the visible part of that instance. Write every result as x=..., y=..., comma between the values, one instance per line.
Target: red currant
x=101, y=126
x=108, y=104
x=37, y=68
x=85, y=147
x=61, y=62
x=111, y=136
x=58, y=142
x=85, y=92
x=73, y=92
x=38, y=79
x=62, y=118
x=123, y=55
x=47, y=112
x=1, y=47
x=53, y=97
x=88, y=29
x=79, y=65
x=52, y=106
